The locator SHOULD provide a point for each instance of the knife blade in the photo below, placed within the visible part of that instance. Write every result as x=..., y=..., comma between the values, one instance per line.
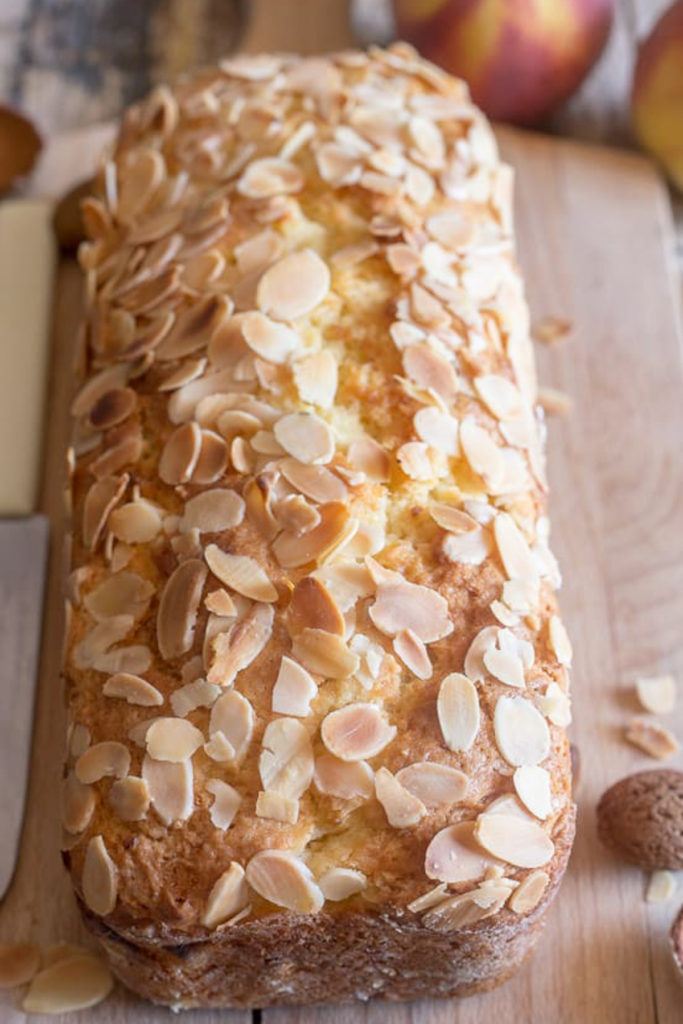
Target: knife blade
x=27, y=260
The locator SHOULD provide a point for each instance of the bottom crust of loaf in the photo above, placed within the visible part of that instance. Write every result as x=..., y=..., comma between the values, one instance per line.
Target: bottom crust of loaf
x=330, y=958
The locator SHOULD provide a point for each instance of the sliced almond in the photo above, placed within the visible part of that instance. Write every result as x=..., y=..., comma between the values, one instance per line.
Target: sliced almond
x=183, y=374
x=132, y=689
x=233, y=715
x=102, y=760
x=72, y=983
x=194, y=326
x=458, y=710
x=286, y=761
x=431, y=371
x=651, y=738
x=282, y=878
x=356, y=732
x=468, y=908
x=555, y=705
x=413, y=653
x=559, y=640
x=219, y=748
x=514, y=550
x=257, y=252
x=416, y=460
x=341, y=883
x=452, y=228
x=369, y=457
x=293, y=286
x=313, y=607
x=485, y=640
x=316, y=377
x=225, y=805
x=324, y=653
x=197, y=694
x=99, y=639
x=402, y=808
x=178, y=608
x=532, y=785
x=437, y=429
x=661, y=887
x=316, y=482
x=78, y=804
x=235, y=649
x=347, y=581
x=481, y=452
x=333, y=532
x=213, y=511
x=529, y=892
x=296, y=515
x=514, y=840
x=270, y=176
x=170, y=788
x=277, y=807
x=220, y=603
x=130, y=798
x=305, y=437
x=99, y=881
x=137, y=522
x=113, y=407
x=100, y=500
x=500, y=396
x=180, y=454
x=172, y=739
x=454, y=856
x=521, y=732
x=123, y=593
x=657, y=694
x=452, y=519
x=294, y=690
x=434, y=784
x=402, y=605
x=428, y=899
x=269, y=339
x=505, y=667
x=338, y=165
x=228, y=896
x=343, y=779
x=241, y=573
x=19, y=961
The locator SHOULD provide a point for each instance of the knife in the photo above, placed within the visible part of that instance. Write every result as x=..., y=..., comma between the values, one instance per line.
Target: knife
x=27, y=263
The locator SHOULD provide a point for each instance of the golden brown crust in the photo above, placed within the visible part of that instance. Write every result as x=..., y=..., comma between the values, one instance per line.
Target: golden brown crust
x=309, y=524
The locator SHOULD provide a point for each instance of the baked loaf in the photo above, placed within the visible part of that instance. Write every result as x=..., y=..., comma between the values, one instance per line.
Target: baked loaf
x=316, y=676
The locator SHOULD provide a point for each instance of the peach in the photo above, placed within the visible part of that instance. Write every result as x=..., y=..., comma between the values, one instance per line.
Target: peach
x=657, y=98
x=521, y=58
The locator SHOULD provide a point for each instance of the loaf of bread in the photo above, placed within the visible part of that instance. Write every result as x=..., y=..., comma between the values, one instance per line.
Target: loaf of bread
x=316, y=676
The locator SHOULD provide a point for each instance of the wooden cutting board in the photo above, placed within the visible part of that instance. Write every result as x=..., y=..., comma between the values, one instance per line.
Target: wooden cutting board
x=596, y=245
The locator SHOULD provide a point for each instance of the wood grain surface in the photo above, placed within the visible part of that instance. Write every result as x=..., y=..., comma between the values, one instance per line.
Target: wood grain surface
x=617, y=507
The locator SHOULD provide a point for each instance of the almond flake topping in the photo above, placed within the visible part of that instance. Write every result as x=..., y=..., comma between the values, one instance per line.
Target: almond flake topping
x=77, y=804
x=316, y=378
x=137, y=522
x=343, y=779
x=430, y=370
x=313, y=607
x=555, y=705
x=18, y=964
x=293, y=286
x=657, y=694
x=197, y=694
x=236, y=648
x=434, y=784
x=172, y=739
x=332, y=533
x=226, y=801
x=454, y=856
x=437, y=429
x=514, y=550
x=286, y=761
x=241, y=573
x=514, y=840
x=485, y=639
x=413, y=653
x=338, y=165
x=277, y=807
x=170, y=788
x=100, y=878
x=324, y=653
x=356, y=732
x=180, y=454
x=232, y=715
x=294, y=690
x=400, y=605
x=102, y=497
x=505, y=667
x=340, y=883
x=458, y=710
x=68, y=984
x=451, y=228
x=305, y=437
x=228, y=896
x=452, y=519
x=529, y=892
x=500, y=396
x=178, y=607
x=428, y=899
x=213, y=511
x=521, y=732
x=401, y=807
x=257, y=252
x=481, y=452
x=651, y=738
x=469, y=907
x=559, y=640
x=532, y=785
x=369, y=457
x=101, y=760
x=270, y=176
x=130, y=798
x=316, y=482
x=132, y=689
x=123, y=593
x=269, y=339
x=282, y=878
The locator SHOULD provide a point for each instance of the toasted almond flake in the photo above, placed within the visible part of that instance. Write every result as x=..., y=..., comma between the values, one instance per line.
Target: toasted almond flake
x=225, y=803
x=431, y=371
x=282, y=878
x=220, y=603
x=286, y=760
x=113, y=407
x=343, y=779
x=402, y=808
x=130, y=798
x=369, y=457
x=79, y=739
x=183, y=374
x=313, y=607
x=347, y=581
x=96, y=642
x=434, y=784
x=178, y=607
x=233, y=716
x=555, y=705
x=77, y=803
x=532, y=785
x=293, y=286
x=356, y=732
x=135, y=659
x=219, y=748
x=316, y=378
x=194, y=326
x=413, y=653
x=335, y=529
x=529, y=892
x=295, y=514
x=512, y=839
x=661, y=887
x=241, y=456
x=236, y=648
x=213, y=511
x=305, y=437
x=426, y=309
x=554, y=402
x=428, y=899
x=341, y=883
x=241, y=573
x=106, y=380
x=184, y=403
x=228, y=896
x=559, y=640
x=277, y=807
x=172, y=739
x=651, y=738
x=324, y=653
x=316, y=482
x=338, y=165
x=100, y=500
x=170, y=788
x=270, y=176
x=402, y=605
x=294, y=690
x=481, y=452
x=257, y=252
x=351, y=255
x=180, y=454
x=485, y=639
x=272, y=341
x=19, y=962
x=657, y=694
x=213, y=459
x=99, y=881
x=453, y=519
x=137, y=522
x=505, y=667
x=437, y=429
x=123, y=593
x=499, y=395
x=458, y=711
x=514, y=550
x=520, y=595
x=71, y=983
x=521, y=732
x=101, y=760
x=132, y=689
x=503, y=614
x=416, y=460
x=453, y=855
x=403, y=259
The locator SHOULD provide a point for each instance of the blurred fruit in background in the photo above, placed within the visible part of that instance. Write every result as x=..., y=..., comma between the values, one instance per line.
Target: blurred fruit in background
x=521, y=58
x=657, y=98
